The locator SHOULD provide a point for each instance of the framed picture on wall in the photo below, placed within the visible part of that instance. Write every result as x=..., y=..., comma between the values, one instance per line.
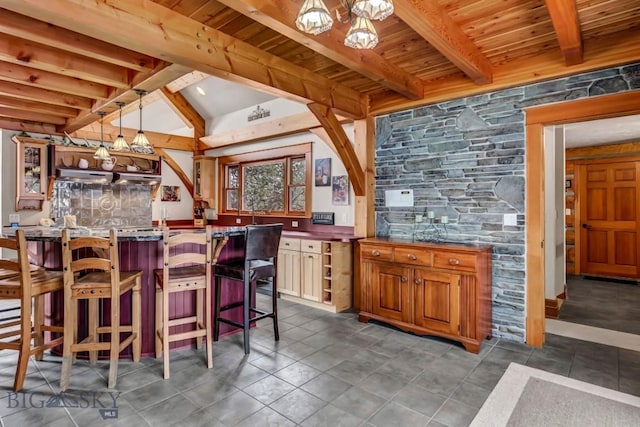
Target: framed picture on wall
x=170, y=193
x=340, y=190
x=323, y=172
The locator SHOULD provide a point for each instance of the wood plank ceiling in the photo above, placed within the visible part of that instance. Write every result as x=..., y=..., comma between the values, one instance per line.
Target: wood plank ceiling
x=62, y=61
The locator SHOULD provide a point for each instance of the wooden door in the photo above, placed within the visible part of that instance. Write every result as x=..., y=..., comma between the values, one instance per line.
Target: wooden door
x=390, y=292
x=437, y=302
x=609, y=207
x=288, y=280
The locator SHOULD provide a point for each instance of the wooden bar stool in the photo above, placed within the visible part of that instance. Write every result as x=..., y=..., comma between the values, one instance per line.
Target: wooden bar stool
x=20, y=281
x=93, y=278
x=259, y=262
x=188, y=257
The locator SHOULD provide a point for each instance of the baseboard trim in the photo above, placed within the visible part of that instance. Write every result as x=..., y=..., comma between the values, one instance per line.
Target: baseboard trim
x=552, y=307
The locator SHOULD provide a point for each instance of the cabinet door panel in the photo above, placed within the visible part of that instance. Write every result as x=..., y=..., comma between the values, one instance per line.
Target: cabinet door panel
x=437, y=301
x=390, y=292
x=288, y=279
x=311, y=276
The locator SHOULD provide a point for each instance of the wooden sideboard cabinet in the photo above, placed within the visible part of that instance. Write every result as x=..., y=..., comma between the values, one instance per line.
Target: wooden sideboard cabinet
x=316, y=273
x=428, y=288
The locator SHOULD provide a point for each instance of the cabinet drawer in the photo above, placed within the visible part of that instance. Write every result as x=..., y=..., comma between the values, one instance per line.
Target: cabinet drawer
x=313, y=246
x=412, y=256
x=290, y=244
x=381, y=253
x=447, y=260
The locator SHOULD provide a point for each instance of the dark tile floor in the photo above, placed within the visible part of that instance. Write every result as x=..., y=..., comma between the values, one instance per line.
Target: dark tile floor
x=326, y=370
x=603, y=304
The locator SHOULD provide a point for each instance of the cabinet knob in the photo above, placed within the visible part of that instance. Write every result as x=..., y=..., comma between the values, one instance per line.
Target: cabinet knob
x=403, y=279
x=454, y=261
x=412, y=257
x=375, y=253
x=416, y=281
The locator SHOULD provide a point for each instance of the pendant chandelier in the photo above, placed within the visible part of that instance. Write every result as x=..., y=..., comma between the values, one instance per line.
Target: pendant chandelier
x=120, y=144
x=314, y=18
x=141, y=139
x=101, y=153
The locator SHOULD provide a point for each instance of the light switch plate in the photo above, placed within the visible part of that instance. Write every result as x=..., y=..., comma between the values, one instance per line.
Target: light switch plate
x=238, y=220
x=510, y=219
x=567, y=211
x=294, y=224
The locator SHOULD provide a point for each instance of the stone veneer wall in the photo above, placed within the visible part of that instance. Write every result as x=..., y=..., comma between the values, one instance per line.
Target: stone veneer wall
x=465, y=159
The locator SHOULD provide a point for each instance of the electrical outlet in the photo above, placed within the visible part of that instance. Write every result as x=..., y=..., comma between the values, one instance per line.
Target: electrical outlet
x=238, y=220
x=294, y=224
x=510, y=219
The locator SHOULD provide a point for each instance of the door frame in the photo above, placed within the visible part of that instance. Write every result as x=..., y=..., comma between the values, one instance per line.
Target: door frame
x=536, y=118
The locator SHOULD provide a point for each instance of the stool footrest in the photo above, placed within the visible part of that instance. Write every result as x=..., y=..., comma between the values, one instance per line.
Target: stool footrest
x=182, y=321
x=186, y=335
x=230, y=322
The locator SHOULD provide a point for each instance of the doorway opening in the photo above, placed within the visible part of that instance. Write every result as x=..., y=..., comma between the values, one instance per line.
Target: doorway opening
x=623, y=104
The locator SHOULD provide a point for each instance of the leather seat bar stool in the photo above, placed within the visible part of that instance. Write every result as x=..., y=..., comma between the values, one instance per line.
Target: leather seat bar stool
x=259, y=262
x=95, y=278
x=188, y=257
x=27, y=284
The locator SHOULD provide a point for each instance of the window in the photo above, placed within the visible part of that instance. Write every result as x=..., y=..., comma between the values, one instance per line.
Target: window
x=273, y=182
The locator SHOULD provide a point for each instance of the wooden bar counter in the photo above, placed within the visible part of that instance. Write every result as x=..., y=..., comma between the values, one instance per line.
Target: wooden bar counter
x=140, y=249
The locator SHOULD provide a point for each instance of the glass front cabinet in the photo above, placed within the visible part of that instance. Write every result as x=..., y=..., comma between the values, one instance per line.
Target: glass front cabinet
x=204, y=179
x=31, y=173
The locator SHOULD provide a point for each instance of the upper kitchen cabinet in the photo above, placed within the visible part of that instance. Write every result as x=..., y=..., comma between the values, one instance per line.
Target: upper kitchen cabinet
x=31, y=176
x=204, y=180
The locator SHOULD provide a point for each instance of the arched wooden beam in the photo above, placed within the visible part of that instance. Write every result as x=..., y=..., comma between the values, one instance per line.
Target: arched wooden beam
x=177, y=169
x=340, y=143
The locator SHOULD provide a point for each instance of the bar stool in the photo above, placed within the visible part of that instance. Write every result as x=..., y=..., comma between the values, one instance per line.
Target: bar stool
x=20, y=281
x=259, y=262
x=188, y=257
x=93, y=278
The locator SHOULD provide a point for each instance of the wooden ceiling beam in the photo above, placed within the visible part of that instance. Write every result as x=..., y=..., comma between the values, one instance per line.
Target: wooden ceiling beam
x=47, y=80
x=186, y=81
x=159, y=140
x=148, y=81
x=564, y=16
x=37, y=107
x=181, y=106
x=280, y=16
x=431, y=22
x=42, y=32
x=340, y=143
x=16, y=90
x=24, y=126
x=275, y=128
x=41, y=57
x=163, y=33
x=32, y=116
x=605, y=52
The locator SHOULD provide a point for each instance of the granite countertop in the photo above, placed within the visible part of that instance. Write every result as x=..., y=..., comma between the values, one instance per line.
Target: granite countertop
x=149, y=233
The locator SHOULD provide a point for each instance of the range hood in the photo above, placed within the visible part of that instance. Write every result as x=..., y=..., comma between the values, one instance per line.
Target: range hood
x=87, y=175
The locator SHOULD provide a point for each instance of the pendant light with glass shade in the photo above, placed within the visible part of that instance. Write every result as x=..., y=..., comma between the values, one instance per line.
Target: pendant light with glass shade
x=101, y=153
x=314, y=18
x=120, y=144
x=141, y=139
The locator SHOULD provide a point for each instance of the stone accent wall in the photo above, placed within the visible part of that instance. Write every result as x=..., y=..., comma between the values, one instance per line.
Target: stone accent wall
x=465, y=159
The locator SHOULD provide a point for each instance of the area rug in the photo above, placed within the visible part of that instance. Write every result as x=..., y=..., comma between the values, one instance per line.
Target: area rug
x=528, y=397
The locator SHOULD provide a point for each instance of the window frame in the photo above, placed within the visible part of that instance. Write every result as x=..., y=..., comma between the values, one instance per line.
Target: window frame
x=286, y=154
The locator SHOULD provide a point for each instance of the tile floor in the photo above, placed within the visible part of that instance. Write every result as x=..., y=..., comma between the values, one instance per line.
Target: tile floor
x=603, y=304
x=326, y=370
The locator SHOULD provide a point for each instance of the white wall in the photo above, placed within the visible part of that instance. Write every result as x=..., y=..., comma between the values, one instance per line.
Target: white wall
x=554, y=251
x=321, y=196
x=184, y=208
